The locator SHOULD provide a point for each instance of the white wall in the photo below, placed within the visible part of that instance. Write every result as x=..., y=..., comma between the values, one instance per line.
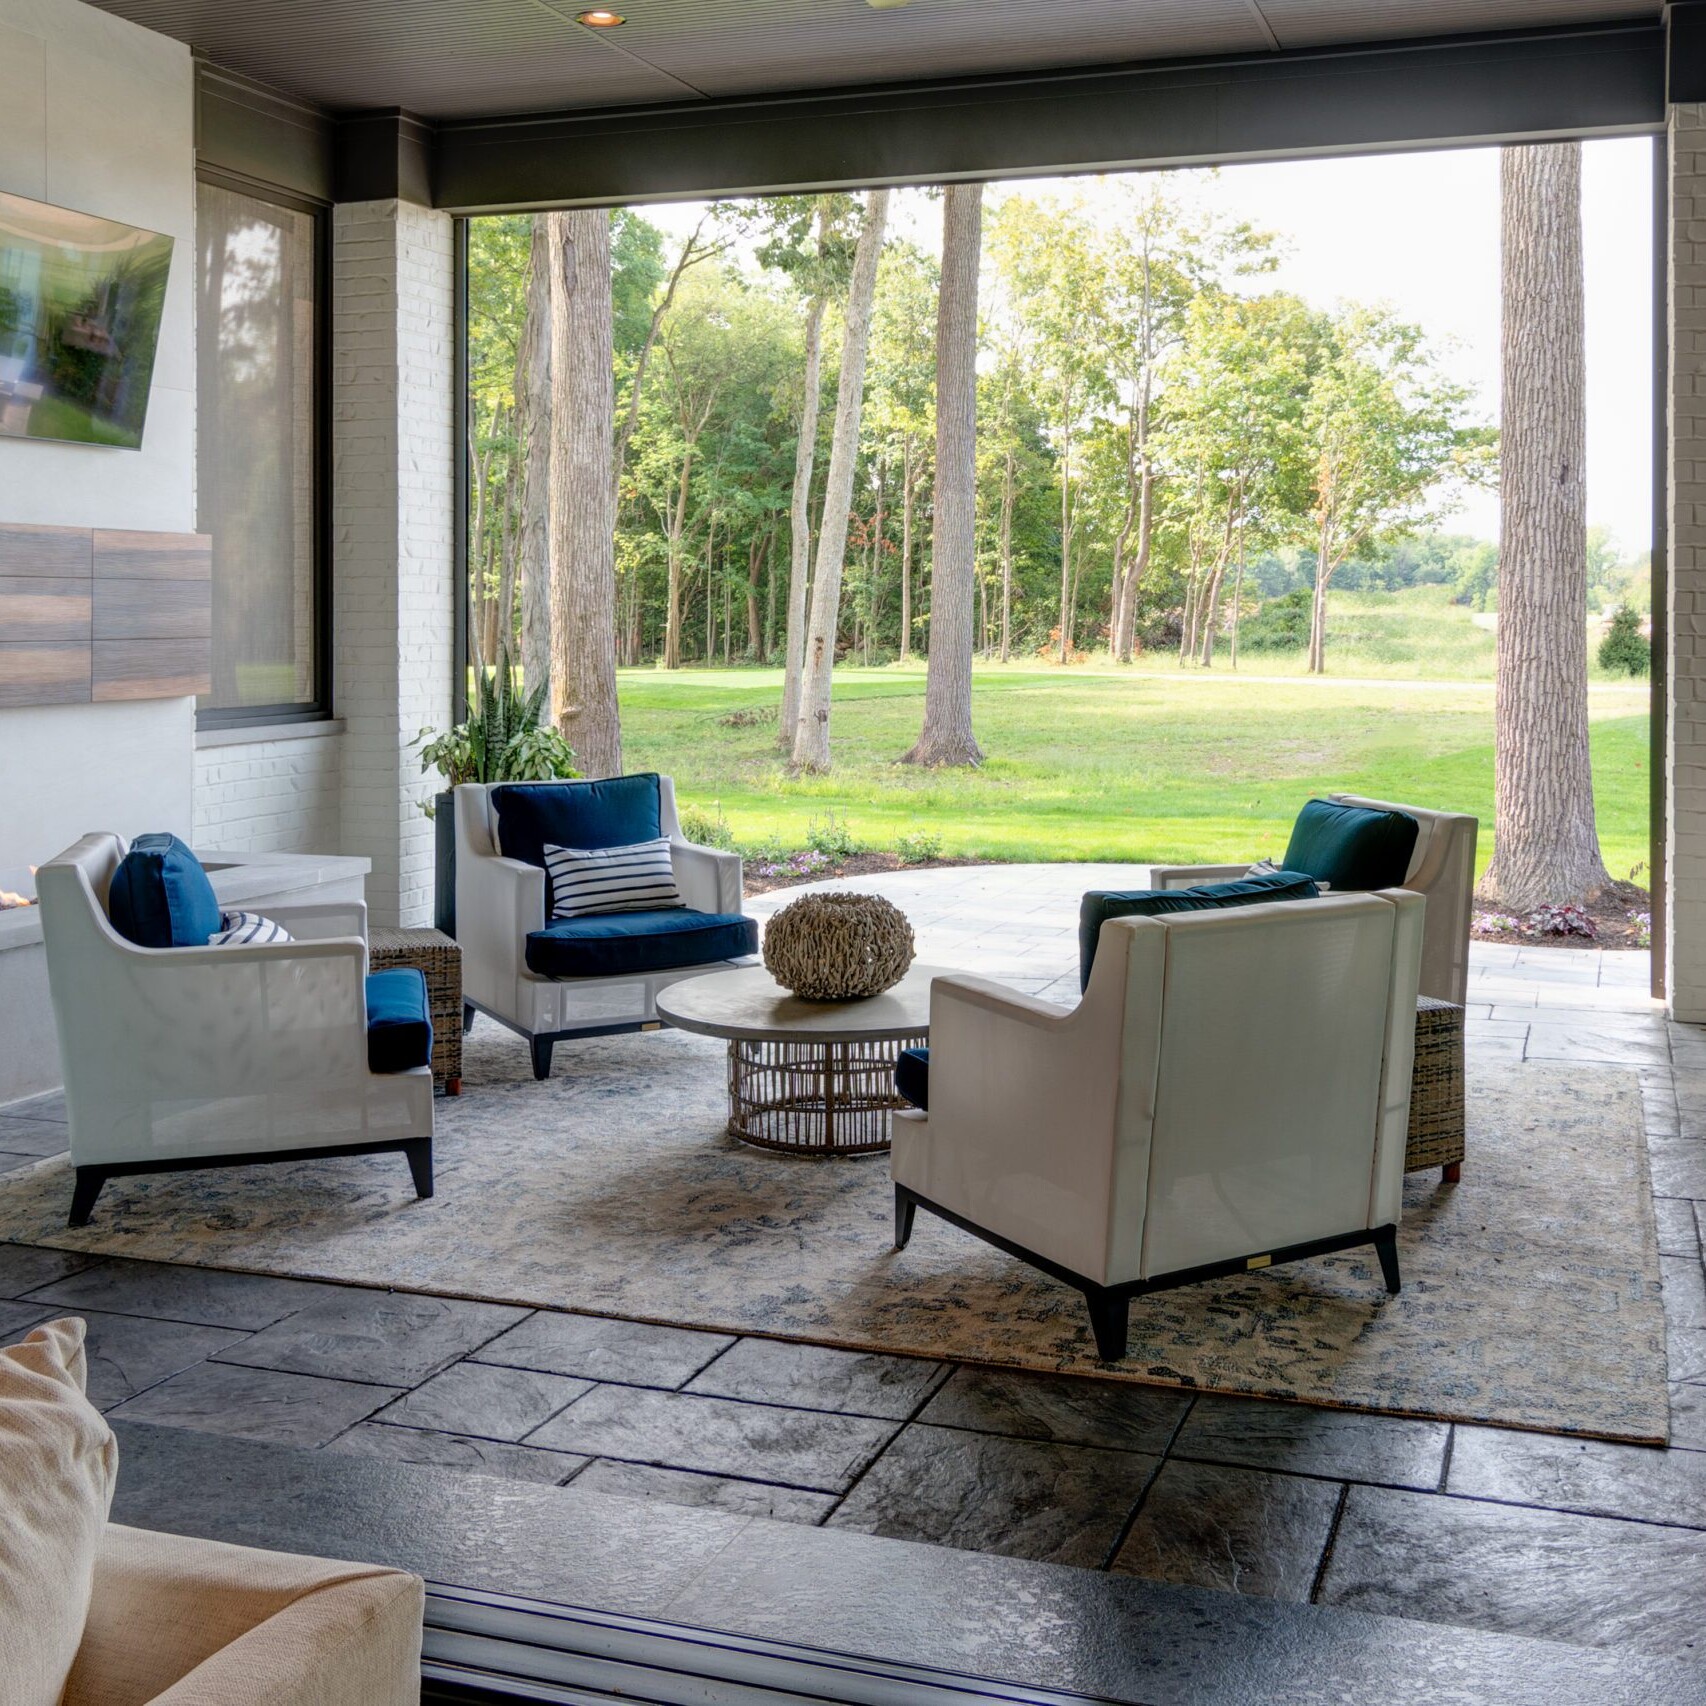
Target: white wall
x=98, y=115
x=269, y=795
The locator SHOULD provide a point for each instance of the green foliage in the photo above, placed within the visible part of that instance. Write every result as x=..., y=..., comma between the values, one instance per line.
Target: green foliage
x=1625, y=650
x=503, y=739
x=707, y=828
x=1280, y=625
x=918, y=846
x=833, y=837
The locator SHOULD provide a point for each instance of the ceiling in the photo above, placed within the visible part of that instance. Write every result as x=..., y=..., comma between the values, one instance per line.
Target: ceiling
x=447, y=59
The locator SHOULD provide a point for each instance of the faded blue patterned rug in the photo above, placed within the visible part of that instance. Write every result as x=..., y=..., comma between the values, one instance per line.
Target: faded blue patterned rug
x=1531, y=1290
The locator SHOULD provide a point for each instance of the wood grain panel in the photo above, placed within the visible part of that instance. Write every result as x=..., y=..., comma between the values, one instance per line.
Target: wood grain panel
x=34, y=609
x=60, y=553
x=143, y=609
x=45, y=674
x=151, y=669
x=152, y=556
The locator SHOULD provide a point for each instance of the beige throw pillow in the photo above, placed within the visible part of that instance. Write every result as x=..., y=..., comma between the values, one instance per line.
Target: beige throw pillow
x=58, y=1463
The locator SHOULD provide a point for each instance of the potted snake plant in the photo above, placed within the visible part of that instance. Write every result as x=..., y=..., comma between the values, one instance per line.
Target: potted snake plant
x=503, y=740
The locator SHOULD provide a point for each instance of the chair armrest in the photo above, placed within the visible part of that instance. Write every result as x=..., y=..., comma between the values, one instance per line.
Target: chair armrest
x=709, y=879
x=317, y=920
x=1188, y=876
x=175, y=1621
x=499, y=903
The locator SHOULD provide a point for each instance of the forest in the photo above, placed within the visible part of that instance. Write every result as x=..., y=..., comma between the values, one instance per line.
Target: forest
x=1161, y=443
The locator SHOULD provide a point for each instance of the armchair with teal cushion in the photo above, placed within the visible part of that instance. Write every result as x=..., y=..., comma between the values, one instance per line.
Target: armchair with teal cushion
x=1347, y=842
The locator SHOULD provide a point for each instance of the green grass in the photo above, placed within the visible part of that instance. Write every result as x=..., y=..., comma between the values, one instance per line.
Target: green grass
x=1151, y=764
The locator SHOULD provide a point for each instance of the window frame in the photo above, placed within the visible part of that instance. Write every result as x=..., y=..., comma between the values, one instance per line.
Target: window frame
x=318, y=707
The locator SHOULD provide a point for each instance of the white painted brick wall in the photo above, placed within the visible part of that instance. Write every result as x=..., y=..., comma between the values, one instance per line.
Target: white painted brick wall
x=393, y=332
x=1685, y=849
x=270, y=796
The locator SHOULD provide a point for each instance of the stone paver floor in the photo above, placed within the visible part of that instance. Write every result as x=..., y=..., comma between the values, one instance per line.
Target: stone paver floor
x=1577, y=1541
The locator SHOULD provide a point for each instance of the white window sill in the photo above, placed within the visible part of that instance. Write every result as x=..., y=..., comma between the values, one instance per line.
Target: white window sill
x=264, y=734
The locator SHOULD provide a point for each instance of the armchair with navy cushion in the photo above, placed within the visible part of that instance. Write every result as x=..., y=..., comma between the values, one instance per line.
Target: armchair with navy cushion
x=557, y=943
x=182, y=1052
x=1348, y=843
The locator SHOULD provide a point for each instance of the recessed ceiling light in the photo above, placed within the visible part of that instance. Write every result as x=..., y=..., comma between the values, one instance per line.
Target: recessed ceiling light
x=600, y=20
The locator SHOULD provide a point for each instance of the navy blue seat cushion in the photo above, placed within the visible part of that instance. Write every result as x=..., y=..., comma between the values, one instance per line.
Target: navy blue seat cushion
x=1099, y=905
x=161, y=897
x=912, y=1076
x=614, y=813
x=617, y=944
x=399, y=1028
x=1352, y=847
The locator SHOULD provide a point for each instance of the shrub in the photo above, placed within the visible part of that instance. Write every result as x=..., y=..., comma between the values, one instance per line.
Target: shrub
x=1625, y=650
x=1641, y=929
x=1559, y=921
x=918, y=846
x=1280, y=625
x=708, y=828
x=833, y=837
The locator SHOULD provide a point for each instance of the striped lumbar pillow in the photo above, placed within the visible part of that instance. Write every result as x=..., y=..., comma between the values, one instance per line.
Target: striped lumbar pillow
x=246, y=929
x=611, y=879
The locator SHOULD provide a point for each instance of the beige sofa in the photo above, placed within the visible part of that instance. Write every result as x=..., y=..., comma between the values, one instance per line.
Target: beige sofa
x=180, y=1622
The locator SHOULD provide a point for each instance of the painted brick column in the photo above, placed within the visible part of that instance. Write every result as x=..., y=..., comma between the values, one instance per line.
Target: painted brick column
x=393, y=562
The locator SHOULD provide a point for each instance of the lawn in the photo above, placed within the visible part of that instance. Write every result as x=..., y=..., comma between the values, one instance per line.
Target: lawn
x=1143, y=765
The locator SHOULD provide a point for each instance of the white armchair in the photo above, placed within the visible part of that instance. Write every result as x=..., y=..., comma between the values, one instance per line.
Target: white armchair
x=1442, y=867
x=550, y=980
x=1232, y=1091
x=216, y=1056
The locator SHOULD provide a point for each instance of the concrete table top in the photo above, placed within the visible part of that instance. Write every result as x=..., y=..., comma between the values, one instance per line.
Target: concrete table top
x=749, y=1004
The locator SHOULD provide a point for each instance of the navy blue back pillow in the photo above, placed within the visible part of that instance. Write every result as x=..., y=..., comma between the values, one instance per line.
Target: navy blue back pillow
x=161, y=897
x=1100, y=905
x=1352, y=847
x=616, y=812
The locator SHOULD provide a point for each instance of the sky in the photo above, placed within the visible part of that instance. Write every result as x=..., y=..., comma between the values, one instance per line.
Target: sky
x=1421, y=231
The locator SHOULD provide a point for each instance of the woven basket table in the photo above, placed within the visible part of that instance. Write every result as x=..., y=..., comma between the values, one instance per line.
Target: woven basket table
x=1436, y=1090
x=806, y=1077
x=439, y=960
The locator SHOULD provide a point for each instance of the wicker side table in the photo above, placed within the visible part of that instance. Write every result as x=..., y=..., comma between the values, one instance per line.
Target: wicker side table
x=439, y=960
x=1436, y=1090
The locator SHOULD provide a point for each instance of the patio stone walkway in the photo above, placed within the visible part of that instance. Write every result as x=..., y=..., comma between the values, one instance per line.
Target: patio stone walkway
x=1574, y=1541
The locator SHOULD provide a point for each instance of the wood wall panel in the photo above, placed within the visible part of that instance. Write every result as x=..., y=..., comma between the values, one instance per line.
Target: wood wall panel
x=46, y=674
x=103, y=614
x=34, y=608
x=63, y=553
x=152, y=610
x=151, y=669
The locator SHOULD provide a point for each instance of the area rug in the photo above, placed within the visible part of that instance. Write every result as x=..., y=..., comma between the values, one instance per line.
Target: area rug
x=1531, y=1290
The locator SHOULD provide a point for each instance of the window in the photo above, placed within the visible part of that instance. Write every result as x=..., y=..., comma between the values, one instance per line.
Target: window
x=259, y=472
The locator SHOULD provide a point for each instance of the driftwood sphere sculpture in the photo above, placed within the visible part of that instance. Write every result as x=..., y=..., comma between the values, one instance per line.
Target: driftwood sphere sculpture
x=838, y=947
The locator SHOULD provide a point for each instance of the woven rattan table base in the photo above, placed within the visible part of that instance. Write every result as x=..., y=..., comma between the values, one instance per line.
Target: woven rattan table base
x=1436, y=1089
x=832, y=1098
x=439, y=960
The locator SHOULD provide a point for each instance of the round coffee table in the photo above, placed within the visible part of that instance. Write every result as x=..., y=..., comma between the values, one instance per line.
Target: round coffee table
x=807, y=1077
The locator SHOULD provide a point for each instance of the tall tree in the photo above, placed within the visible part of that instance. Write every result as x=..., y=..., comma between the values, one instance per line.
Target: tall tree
x=947, y=736
x=1545, y=845
x=1388, y=439
x=583, y=491
x=811, y=738
x=533, y=403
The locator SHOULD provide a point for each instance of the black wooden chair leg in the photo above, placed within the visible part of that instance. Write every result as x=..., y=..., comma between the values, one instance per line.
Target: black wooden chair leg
x=1109, y=1316
x=1386, y=1248
x=467, y=1018
x=83, y=1194
x=541, y=1056
x=419, y=1153
x=905, y=1208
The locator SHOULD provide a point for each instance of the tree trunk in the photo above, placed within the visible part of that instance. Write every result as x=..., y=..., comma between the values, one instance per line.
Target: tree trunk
x=947, y=734
x=1007, y=557
x=1324, y=566
x=583, y=493
x=1546, y=848
x=1066, y=544
x=800, y=521
x=1237, y=600
x=754, y=558
x=533, y=388
x=906, y=550
x=811, y=738
x=672, y=549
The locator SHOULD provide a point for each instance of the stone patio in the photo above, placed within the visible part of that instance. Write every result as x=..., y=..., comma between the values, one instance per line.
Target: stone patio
x=1522, y=1534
